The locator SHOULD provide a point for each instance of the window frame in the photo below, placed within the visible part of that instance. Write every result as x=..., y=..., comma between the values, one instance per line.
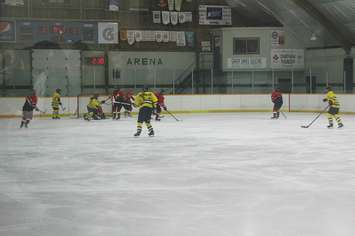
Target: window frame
x=247, y=52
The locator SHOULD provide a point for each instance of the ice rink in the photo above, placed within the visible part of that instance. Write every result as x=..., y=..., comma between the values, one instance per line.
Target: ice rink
x=238, y=174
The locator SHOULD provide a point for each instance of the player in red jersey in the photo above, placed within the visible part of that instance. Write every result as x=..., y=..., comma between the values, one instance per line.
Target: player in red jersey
x=117, y=101
x=128, y=98
x=276, y=98
x=160, y=104
x=27, y=109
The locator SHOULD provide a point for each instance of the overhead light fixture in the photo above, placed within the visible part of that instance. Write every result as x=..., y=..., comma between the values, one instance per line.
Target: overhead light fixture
x=313, y=37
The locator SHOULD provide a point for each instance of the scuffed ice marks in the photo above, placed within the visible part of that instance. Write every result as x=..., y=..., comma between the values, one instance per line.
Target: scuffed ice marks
x=220, y=174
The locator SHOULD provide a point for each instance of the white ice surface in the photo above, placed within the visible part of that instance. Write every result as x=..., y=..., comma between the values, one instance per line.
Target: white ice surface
x=209, y=175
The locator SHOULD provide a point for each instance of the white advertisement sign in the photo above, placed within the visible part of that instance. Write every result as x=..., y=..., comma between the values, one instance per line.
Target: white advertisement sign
x=108, y=33
x=215, y=15
x=247, y=62
x=287, y=58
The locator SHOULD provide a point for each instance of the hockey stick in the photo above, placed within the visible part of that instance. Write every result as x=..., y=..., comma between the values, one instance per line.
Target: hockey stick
x=63, y=108
x=173, y=115
x=316, y=118
x=283, y=114
x=124, y=103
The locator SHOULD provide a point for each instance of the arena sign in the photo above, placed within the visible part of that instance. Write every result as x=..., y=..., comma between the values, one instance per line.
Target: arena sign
x=245, y=62
x=287, y=58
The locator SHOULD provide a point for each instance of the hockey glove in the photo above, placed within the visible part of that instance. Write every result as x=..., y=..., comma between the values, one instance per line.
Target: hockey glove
x=165, y=108
x=324, y=100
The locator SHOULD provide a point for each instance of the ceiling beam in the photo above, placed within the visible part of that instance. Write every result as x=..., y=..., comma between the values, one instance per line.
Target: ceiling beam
x=340, y=33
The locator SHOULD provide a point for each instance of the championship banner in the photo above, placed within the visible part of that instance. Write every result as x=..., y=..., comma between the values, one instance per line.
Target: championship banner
x=287, y=58
x=173, y=36
x=166, y=36
x=130, y=37
x=174, y=17
x=165, y=17
x=156, y=17
x=190, y=39
x=107, y=33
x=171, y=5
x=123, y=35
x=148, y=36
x=180, y=40
x=7, y=31
x=113, y=5
x=162, y=3
x=138, y=36
x=178, y=4
x=159, y=36
x=245, y=62
x=14, y=2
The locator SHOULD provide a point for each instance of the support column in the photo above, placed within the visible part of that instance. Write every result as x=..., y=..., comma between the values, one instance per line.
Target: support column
x=349, y=74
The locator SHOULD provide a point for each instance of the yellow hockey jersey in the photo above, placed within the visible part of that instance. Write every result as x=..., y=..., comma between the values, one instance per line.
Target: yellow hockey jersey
x=332, y=99
x=56, y=99
x=145, y=99
x=94, y=103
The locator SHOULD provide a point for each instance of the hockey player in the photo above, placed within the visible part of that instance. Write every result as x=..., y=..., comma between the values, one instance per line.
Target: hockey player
x=276, y=98
x=27, y=109
x=118, y=100
x=146, y=101
x=56, y=103
x=160, y=104
x=128, y=98
x=94, y=109
x=333, y=111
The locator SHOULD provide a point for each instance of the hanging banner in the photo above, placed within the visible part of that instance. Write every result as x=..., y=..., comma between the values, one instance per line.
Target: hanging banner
x=130, y=37
x=180, y=40
x=171, y=5
x=178, y=4
x=174, y=17
x=156, y=17
x=123, y=35
x=215, y=15
x=165, y=17
x=138, y=35
x=7, y=31
x=148, y=36
x=162, y=3
x=190, y=39
x=159, y=36
x=206, y=46
x=113, y=5
x=277, y=38
x=107, y=33
x=245, y=62
x=14, y=2
x=173, y=36
x=287, y=58
x=166, y=37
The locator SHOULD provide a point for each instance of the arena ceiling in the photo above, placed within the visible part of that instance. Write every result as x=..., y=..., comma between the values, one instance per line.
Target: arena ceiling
x=328, y=22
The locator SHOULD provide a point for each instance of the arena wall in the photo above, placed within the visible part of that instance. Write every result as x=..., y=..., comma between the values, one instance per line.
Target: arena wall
x=194, y=103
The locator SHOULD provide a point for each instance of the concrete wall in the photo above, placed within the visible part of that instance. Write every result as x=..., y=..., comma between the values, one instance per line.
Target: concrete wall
x=193, y=103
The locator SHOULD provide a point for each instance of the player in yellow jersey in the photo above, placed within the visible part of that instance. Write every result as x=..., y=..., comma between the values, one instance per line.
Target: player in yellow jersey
x=56, y=103
x=94, y=109
x=334, y=106
x=146, y=102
